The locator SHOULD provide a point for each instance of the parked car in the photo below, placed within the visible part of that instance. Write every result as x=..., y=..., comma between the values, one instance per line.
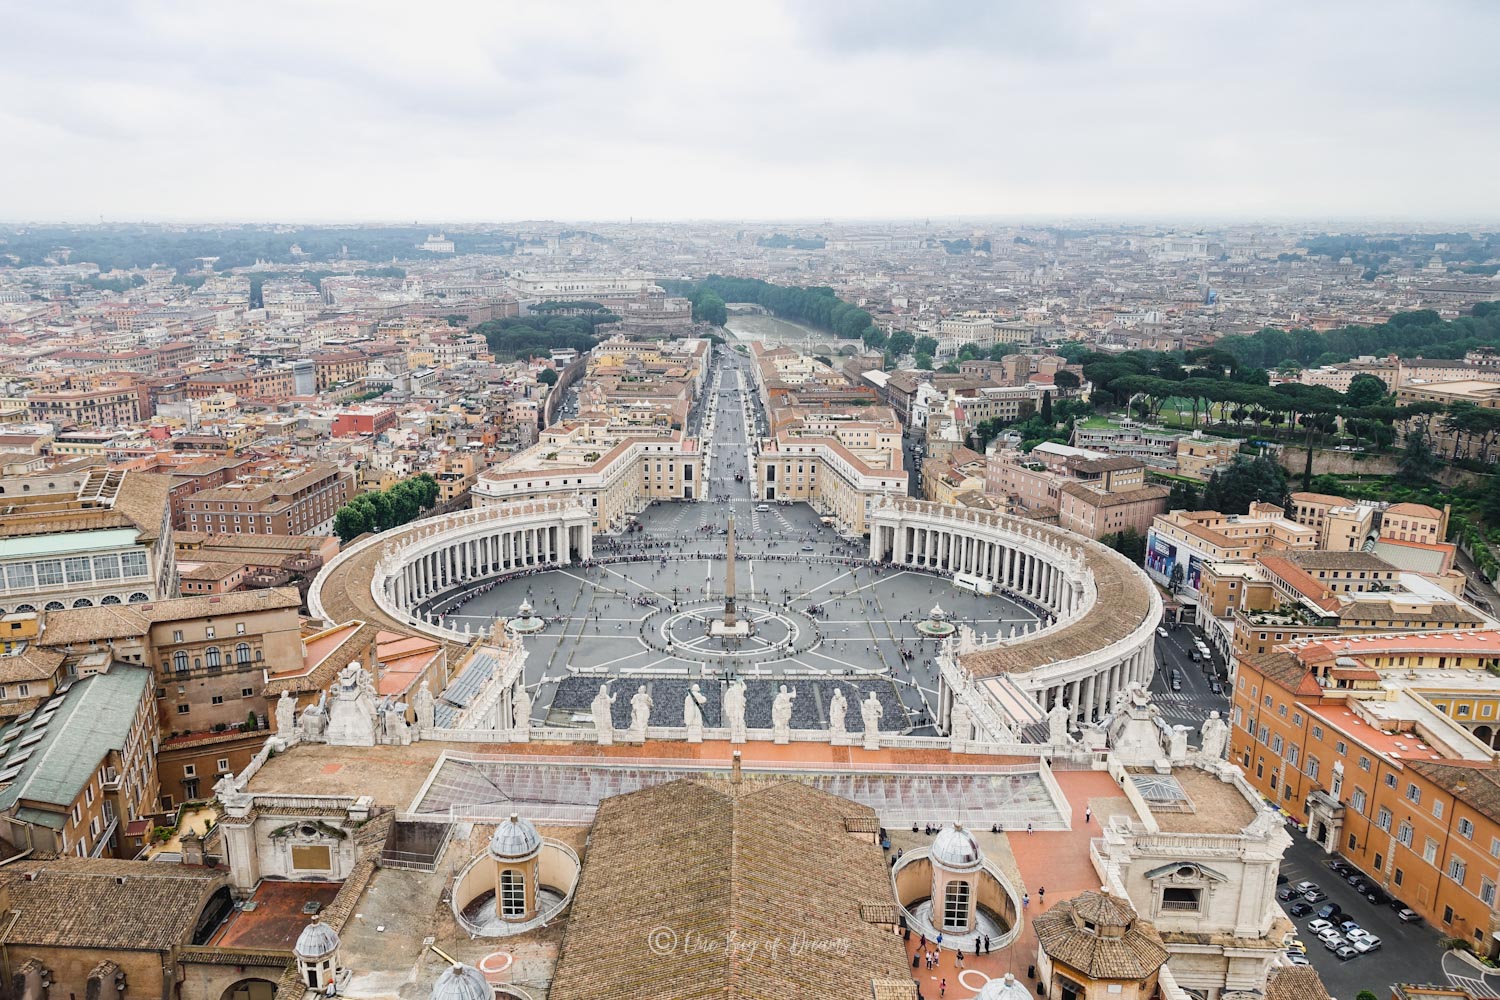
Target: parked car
x=1282, y=880
x=1354, y=877
x=1216, y=688
x=1318, y=926
x=1285, y=893
x=1349, y=927
x=1408, y=916
x=1300, y=909
x=1365, y=945
x=1375, y=895
x=1305, y=885
x=1297, y=958
x=1315, y=895
x=1331, y=938
x=1340, y=867
x=1345, y=952
x=1330, y=911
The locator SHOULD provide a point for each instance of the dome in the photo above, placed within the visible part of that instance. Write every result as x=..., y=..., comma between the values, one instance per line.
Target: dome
x=316, y=941
x=956, y=849
x=1004, y=989
x=462, y=982
x=514, y=839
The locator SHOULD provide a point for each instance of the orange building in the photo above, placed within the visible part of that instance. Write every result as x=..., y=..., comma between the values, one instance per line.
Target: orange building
x=1381, y=745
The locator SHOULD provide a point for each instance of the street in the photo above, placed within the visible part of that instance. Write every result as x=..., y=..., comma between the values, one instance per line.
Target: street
x=1190, y=706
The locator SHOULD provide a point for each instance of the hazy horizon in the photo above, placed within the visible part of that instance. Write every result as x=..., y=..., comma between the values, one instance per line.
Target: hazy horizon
x=867, y=110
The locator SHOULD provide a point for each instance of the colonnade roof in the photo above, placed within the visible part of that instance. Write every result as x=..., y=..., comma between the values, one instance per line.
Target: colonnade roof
x=1123, y=603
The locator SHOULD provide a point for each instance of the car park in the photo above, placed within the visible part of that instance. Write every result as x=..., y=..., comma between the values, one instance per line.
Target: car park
x=1376, y=896
x=1300, y=909
x=1285, y=893
x=1340, y=867
x=1315, y=895
x=1331, y=938
x=1331, y=912
x=1305, y=885
x=1297, y=958
x=1367, y=944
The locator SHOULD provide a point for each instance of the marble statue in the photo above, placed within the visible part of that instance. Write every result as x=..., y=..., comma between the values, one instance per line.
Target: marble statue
x=1058, y=721
x=1117, y=703
x=959, y=728
x=393, y=724
x=838, y=707
x=967, y=642
x=692, y=714
x=286, y=713
x=781, y=714
x=1215, y=736
x=871, y=710
x=351, y=716
x=734, y=711
x=640, y=713
x=426, y=706
x=521, y=704
x=314, y=721
x=604, y=721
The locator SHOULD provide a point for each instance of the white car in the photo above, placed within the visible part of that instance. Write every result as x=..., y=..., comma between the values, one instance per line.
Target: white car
x=762, y=508
x=1331, y=938
x=1357, y=934
x=1161, y=632
x=1318, y=926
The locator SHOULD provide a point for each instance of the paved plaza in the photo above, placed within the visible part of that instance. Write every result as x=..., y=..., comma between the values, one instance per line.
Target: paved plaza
x=847, y=624
x=641, y=613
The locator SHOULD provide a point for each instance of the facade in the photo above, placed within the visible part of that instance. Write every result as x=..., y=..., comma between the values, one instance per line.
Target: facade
x=107, y=543
x=1180, y=543
x=1382, y=745
x=289, y=500
x=1094, y=513
x=82, y=767
x=615, y=473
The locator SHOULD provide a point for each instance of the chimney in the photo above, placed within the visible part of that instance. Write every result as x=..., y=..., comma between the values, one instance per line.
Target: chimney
x=734, y=769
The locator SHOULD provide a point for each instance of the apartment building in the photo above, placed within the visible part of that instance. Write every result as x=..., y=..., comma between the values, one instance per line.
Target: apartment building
x=117, y=402
x=291, y=499
x=842, y=460
x=1096, y=513
x=1381, y=745
x=1180, y=543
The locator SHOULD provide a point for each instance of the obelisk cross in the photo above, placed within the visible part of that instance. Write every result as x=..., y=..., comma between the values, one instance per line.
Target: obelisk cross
x=729, y=575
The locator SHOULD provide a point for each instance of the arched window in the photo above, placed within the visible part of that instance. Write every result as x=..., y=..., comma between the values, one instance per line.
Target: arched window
x=139, y=598
x=179, y=662
x=54, y=606
x=956, y=906
x=512, y=893
x=211, y=655
x=242, y=653
x=111, y=599
x=83, y=602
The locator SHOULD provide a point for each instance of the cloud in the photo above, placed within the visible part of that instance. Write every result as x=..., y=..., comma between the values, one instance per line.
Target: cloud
x=776, y=109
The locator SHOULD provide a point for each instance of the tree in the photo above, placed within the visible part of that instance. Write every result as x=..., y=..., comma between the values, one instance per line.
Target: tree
x=709, y=308
x=1365, y=390
x=1129, y=543
x=1183, y=496
x=927, y=345
x=455, y=319
x=900, y=343
x=1419, y=462
x=1249, y=480
x=1047, y=407
x=547, y=376
x=924, y=361
x=1066, y=380
x=349, y=523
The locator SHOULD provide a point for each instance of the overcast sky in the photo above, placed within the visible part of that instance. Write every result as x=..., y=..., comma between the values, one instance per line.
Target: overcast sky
x=308, y=110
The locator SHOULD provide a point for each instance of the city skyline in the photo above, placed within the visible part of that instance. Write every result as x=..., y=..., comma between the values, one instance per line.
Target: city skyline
x=855, y=111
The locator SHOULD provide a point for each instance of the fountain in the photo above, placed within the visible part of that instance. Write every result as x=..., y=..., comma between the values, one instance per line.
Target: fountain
x=526, y=622
x=937, y=625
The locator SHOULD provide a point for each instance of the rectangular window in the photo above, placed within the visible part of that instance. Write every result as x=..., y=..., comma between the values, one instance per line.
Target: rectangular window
x=1487, y=891
x=223, y=764
x=182, y=709
x=1429, y=851
x=1312, y=768
x=77, y=568
x=20, y=576
x=1437, y=808
x=1364, y=763
x=1414, y=794
x=1383, y=819
x=1317, y=732
x=107, y=567
x=1357, y=800
x=1456, y=870
x=189, y=770
x=218, y=699
x=49, y=573
x=1341, y=747
x=133, y=564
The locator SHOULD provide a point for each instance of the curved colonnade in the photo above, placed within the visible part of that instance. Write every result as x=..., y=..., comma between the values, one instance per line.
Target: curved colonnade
x=1102, y=637
x=384, y=578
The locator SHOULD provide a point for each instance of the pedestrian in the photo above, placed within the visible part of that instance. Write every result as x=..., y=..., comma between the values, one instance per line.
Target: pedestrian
x=943, y=987
x=1025, y=900
x=1088, y=813
x=1041, y=892
x=1028, y=828
x=960, y=958
x=940, y=939
x=986, y=944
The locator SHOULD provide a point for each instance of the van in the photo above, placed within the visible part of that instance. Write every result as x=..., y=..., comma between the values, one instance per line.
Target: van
x=762, y=508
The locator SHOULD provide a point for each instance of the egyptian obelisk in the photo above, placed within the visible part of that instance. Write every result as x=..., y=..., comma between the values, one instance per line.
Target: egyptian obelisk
x=729, y=576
